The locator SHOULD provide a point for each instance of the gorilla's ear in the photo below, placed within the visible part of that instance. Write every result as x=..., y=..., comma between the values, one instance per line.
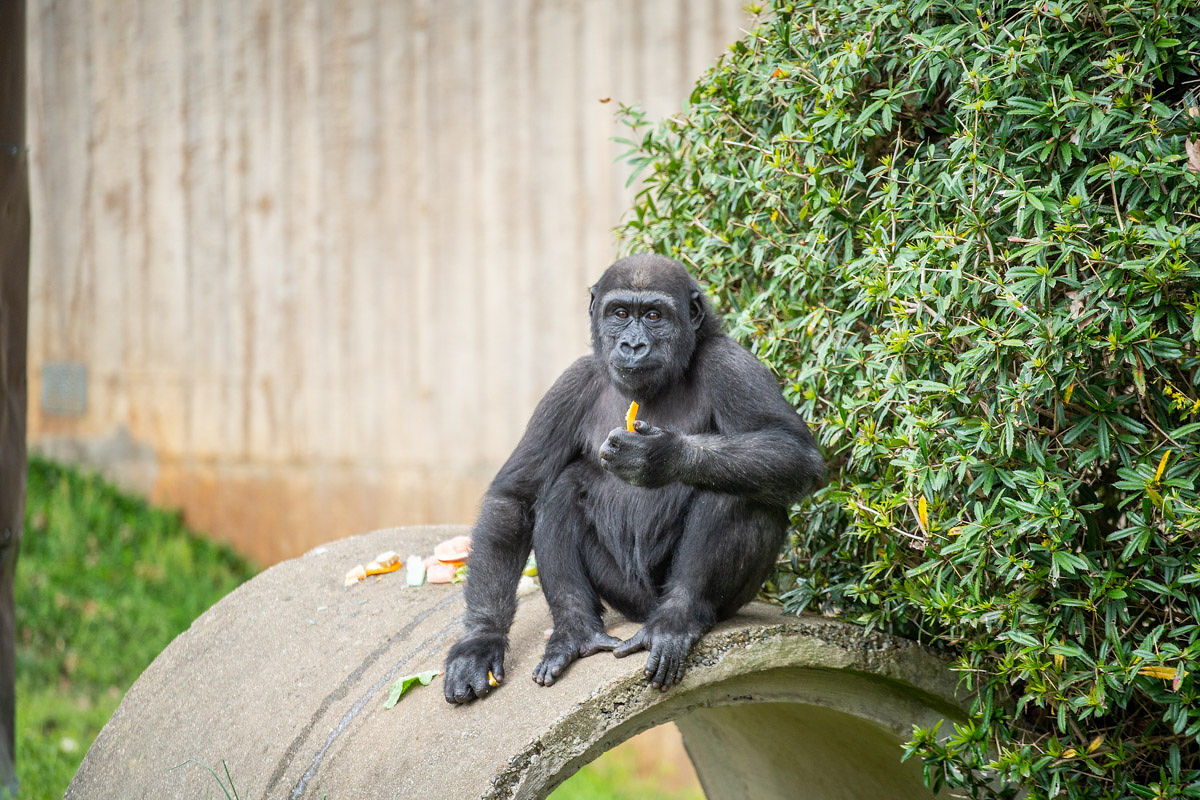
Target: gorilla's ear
x=591, y=300
x=696, y=311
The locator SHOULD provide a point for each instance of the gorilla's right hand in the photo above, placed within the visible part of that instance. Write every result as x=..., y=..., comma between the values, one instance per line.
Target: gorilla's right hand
x=468, y=664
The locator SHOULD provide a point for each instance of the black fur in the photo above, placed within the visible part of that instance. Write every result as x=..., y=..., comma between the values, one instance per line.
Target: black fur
x=674, y=525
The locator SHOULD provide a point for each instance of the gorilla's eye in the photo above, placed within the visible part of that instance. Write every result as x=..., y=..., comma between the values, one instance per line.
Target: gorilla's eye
x=653, y=316
x=621, y=313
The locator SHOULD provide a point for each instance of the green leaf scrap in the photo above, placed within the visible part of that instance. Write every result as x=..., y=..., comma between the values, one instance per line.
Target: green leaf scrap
x=402, y=685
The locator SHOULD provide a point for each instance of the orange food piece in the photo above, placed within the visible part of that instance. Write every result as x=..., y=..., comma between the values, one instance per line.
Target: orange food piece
x=453, y=550
x=385, y=562
x=375, y=568
x=631, y=416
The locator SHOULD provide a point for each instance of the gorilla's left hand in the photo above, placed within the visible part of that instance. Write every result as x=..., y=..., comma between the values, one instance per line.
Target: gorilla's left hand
x=647, y=456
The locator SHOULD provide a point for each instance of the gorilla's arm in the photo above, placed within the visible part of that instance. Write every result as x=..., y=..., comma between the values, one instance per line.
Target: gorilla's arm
x=502, y=537
x=763, y=450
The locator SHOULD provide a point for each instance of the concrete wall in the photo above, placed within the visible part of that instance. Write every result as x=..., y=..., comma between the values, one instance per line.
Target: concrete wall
x=304, y=268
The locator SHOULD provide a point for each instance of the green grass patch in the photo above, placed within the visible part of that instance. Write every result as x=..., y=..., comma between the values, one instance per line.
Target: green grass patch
x=104, y=583
x=645, y=766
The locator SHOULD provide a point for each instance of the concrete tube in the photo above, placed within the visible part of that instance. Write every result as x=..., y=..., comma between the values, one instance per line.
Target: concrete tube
x=283, y=683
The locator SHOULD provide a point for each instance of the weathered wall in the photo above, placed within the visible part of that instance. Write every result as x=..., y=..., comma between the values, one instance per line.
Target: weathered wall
x=312, y=263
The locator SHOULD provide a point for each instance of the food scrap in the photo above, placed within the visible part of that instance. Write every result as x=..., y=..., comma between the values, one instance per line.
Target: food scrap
x=402, y=685
x=449, y=560
x=631, y=416
x=446, y=565
x=355, y=575
x=440, y=572
x=528, y=583
x=416, y=571
x=492, y=680
x=456, y=549
x=382, y=564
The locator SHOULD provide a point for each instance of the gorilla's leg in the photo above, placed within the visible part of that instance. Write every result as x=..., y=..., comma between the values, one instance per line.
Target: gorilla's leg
x=727, y=549
x=559, y=533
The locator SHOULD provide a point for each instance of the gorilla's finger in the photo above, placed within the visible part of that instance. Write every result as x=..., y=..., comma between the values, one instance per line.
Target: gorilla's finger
x=598, y=642
x=677, y=675
x=674, y=671
x=455, y=688
x=655, y=666
x=632, y=644
x=479, y=685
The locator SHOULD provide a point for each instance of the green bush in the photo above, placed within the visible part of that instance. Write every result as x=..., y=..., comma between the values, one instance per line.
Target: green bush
x=966, y=238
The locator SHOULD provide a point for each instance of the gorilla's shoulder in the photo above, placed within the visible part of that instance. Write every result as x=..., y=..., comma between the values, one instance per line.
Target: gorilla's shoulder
x=582, y=375
x=721, y=356
x=584, y=368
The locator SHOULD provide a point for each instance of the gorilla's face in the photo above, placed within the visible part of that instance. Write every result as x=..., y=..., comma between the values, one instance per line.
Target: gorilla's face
x=645, y=337
x=647, y=316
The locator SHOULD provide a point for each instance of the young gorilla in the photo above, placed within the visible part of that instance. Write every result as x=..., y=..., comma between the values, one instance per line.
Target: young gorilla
x=675, y=524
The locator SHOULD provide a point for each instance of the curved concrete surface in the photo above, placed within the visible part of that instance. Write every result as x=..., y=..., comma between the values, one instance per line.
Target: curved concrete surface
x=283, y=684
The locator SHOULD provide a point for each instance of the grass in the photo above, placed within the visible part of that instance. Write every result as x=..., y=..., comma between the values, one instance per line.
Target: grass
x=105, y=582
x=650, y=765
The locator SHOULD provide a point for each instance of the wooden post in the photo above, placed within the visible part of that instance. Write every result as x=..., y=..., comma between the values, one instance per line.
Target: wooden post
x=14, y=314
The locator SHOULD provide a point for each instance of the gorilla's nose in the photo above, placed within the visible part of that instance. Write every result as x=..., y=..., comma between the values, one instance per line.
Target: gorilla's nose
x=633, y=350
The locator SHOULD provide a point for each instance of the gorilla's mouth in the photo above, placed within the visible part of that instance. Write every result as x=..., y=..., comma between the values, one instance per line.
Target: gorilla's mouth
x=638, y=365
x=641, y=379
x=638, y=369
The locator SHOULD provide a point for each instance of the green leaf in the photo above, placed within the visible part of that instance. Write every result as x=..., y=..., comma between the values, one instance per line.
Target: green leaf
x=1021, y=638
x=402, y=685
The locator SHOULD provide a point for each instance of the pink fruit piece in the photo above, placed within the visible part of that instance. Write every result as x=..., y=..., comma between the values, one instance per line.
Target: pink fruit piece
x=439, y=572
x=456, y=549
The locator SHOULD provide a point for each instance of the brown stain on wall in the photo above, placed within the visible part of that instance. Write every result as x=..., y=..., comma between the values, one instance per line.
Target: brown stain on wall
x=271, y=514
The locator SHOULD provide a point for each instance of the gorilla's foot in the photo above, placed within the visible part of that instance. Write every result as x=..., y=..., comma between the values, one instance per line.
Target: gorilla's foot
x=562, y=650
x=668, y=652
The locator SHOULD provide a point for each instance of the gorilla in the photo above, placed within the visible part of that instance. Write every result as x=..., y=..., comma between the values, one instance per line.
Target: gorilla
x=675, y=524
